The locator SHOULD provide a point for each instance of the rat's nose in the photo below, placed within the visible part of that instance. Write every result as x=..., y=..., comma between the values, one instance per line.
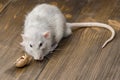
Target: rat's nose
x=36, y=57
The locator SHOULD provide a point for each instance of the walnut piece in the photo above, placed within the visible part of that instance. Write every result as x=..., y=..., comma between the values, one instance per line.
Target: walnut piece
x=23, y=61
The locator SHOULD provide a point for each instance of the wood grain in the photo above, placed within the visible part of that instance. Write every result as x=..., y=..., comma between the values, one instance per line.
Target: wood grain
x=78, y=57
x=4, y=4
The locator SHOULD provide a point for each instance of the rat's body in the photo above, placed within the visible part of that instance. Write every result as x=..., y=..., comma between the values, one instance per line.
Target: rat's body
x=45, y=26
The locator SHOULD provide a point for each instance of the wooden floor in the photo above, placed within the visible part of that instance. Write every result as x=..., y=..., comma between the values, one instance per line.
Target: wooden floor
x=78, y=57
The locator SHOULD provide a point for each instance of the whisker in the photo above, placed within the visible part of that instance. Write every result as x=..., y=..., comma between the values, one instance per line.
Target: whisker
x=59, y=49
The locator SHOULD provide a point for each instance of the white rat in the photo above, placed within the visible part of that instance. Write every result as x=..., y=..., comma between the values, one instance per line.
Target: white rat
x=45, y=26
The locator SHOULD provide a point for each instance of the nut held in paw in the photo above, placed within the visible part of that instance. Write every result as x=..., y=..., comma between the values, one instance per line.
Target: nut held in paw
x=22, y=61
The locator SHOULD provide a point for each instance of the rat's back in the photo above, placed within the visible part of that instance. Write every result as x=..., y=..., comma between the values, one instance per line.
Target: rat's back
x=46, y=12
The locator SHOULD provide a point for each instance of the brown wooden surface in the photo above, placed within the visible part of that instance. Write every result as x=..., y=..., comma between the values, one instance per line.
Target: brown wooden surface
x=78, y=57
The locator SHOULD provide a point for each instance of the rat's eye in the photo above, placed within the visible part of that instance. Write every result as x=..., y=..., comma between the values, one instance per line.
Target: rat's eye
x=31, y=45
x=40, y=44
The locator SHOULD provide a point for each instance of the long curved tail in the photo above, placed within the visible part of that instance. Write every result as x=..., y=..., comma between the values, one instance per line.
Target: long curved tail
x=97, y=24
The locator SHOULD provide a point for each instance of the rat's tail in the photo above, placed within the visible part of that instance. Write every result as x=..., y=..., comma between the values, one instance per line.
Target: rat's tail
x=92, y=24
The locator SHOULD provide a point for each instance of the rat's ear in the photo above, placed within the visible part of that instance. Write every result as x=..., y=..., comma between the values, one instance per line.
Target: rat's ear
x=46, y=34
x=24, y=37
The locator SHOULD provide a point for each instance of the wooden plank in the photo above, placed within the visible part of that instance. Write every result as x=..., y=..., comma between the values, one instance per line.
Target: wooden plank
x=115, y=13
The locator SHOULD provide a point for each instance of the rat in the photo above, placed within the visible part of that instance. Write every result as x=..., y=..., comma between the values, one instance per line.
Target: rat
x=45, y=26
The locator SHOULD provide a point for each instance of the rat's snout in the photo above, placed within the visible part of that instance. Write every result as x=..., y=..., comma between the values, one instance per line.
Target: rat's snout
x=38, y=56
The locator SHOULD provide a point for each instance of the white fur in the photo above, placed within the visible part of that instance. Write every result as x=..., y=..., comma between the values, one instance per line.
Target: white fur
x=45, y=24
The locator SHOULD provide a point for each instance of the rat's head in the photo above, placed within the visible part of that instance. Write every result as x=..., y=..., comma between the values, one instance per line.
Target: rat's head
x=37, y=45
